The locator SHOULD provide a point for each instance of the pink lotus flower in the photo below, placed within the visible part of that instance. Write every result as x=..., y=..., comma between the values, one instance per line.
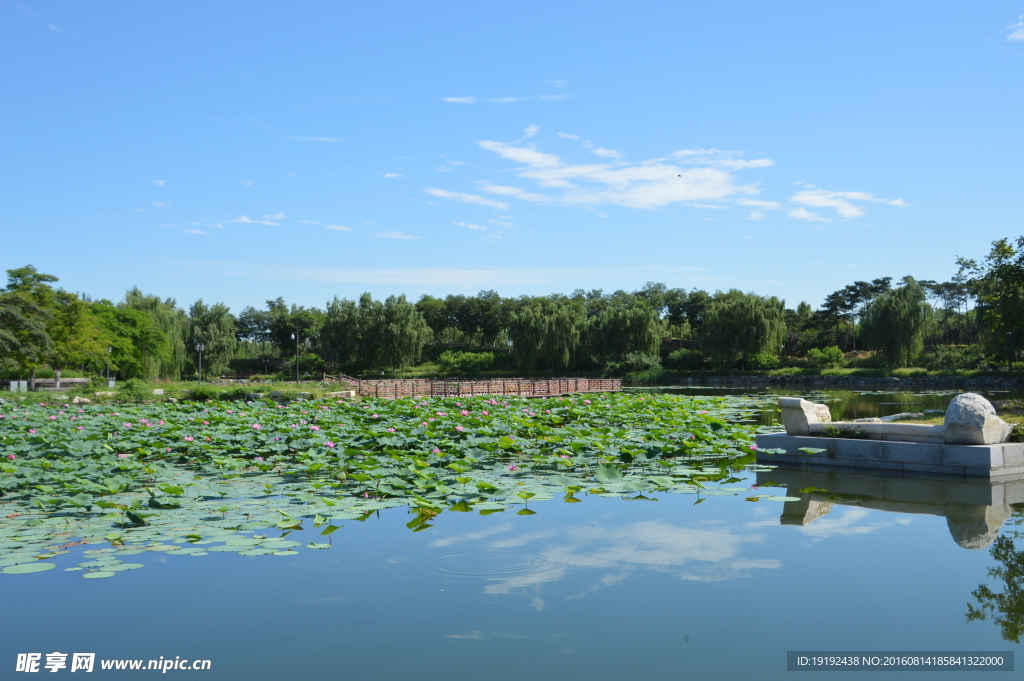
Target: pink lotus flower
x=168, y=450
x=314, y=427
x=375, y=416
x=189, y=438
x=11, y=457
x=160, y=422
x=566, y=456
x=464, y=412
x=459, y=428
x=753, y=447
x=485, y=413
x=513, y=468
x=391, y=430
x=31, y=430
x=424, y=423
x=435, y=450
x=231, y=411
x=122, y=456
x=259, y=458
x=256, y=426
x=586, y=401
x=206, y=423
x=702, y=412
x=80, y=428
x=329, y=444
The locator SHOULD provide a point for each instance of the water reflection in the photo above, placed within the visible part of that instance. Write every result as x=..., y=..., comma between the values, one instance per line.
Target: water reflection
x=711, y=551
x=974, y=510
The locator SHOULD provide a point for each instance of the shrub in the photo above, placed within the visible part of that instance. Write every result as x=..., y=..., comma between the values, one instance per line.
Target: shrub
x=956, y=358
x=763, y=361
x=203, y=393
x=825, y=358
x=685, y=360
x=134, y=391
x=640, y=361
x=465, y=362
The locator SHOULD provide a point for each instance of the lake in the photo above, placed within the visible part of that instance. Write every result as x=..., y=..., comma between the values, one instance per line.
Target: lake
x=659, y=586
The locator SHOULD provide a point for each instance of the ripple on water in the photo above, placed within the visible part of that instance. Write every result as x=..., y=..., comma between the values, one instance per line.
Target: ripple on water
x=488, y=564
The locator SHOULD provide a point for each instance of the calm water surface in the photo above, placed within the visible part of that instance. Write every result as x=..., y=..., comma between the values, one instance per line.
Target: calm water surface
x=604, y=589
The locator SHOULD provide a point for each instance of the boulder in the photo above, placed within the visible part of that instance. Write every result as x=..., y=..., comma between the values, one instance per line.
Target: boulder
x=81, y=400
x=254, y=396
x=798, y=414
x=158, y=391
x=972, y=420
x=341, y=393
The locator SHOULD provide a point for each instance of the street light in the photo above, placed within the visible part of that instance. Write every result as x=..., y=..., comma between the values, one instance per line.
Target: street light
x=200, y=347
x=109, y=350
x=296, y=337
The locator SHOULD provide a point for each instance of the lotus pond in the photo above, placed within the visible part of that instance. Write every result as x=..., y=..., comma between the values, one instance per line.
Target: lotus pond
x=588, y=537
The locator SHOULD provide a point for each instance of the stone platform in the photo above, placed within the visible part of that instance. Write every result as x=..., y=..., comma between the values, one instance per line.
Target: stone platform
x=933, y=458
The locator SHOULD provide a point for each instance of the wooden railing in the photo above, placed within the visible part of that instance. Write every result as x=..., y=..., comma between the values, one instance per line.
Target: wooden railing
x=442, y=387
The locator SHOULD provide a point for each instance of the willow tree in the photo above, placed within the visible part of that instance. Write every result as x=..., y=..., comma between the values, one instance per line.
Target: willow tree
x=738, y=326
x=552, y=327
x=214, y=327
x=173, y=322
x=400, y=332
x=895, y=323
x=621, y=329
x=998, y=284
x=339, y=339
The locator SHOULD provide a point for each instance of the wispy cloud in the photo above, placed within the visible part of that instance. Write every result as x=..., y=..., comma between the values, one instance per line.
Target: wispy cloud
x=338, y=228
x=397, y=235
x=460, y=100
x=159, y=183
x=506, y=100
x=530, y=131
x=755, y=215
x=246, y=220
x=840, y=201
x=391, y=176
x=506, y=190
x=466, y=198
x=54, y=28
x=804, y=214
x=196, y=231
x=568, y=136
x=607, y=153
x=315, y=139
x=1016, y=30
x=246, y=183
x=278, y=216
x=552, y=98
x=755, y=203
x=648, y=184
x=160, y=204
x=470, y=225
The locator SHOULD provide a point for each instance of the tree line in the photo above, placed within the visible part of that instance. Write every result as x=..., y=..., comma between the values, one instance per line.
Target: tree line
x=979, y=312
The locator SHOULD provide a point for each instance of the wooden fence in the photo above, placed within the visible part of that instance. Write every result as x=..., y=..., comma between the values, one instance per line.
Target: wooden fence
x=441, y=387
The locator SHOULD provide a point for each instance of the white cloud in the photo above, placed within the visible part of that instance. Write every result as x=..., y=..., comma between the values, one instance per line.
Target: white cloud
x=315, y=139
x=391, y=176
x=279, y=216
x=466, y=198
x=530, y=131
x=160, y=204
x=310, y=222
x=140, y=210
x=756, y=215
x=502, y=223
x=720, y=159
x=245, y=219
x=1016, y=30
x=804, y=214
x=460, y=100
x=54, y=28
x=470, y=225
x=553, y=98
x=754, y=203
x=648, y=184
x=607, y=153
x=898, y=202
x=506, y=100
x=338, y=228
x=159, y=183
x=196, y=231
x=397, y=235
x=246, y=183
x=840, y=201
x=512, y=191
x=568, y=136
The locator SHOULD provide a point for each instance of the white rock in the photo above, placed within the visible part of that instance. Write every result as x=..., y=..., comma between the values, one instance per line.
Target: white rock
x=972, y=420
x=81, y=400
x=798, y=414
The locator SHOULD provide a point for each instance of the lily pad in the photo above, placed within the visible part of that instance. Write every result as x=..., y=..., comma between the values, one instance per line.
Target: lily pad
x=98, y=575
x=26, y=568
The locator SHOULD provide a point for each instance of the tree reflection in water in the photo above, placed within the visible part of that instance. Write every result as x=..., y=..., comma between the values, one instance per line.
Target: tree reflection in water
x=1006, y=607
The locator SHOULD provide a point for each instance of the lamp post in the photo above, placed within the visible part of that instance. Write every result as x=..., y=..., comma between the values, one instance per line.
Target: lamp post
x=109, y=350
x=200, y=347
x=296, y=337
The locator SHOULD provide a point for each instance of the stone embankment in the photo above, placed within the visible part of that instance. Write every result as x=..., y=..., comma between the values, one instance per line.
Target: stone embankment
x=953, y=382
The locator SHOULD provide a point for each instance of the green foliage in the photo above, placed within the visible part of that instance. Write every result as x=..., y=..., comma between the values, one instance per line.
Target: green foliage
x=1005, y=607
x=685, y=359
x=465, y=362
x=549, y=326
x=998, y=284
x=763, y=361
x=173, y=323
x=640, y=361
x=137, y=347
x=826, y=358
x=203, y=393
x=843, y=432
x=214, y=327
x=895, y=323
x=739, y=325
x=956, y=358
x=134, y=391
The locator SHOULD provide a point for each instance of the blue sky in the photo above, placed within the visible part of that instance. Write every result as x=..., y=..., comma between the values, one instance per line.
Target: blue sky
x=238, y=151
